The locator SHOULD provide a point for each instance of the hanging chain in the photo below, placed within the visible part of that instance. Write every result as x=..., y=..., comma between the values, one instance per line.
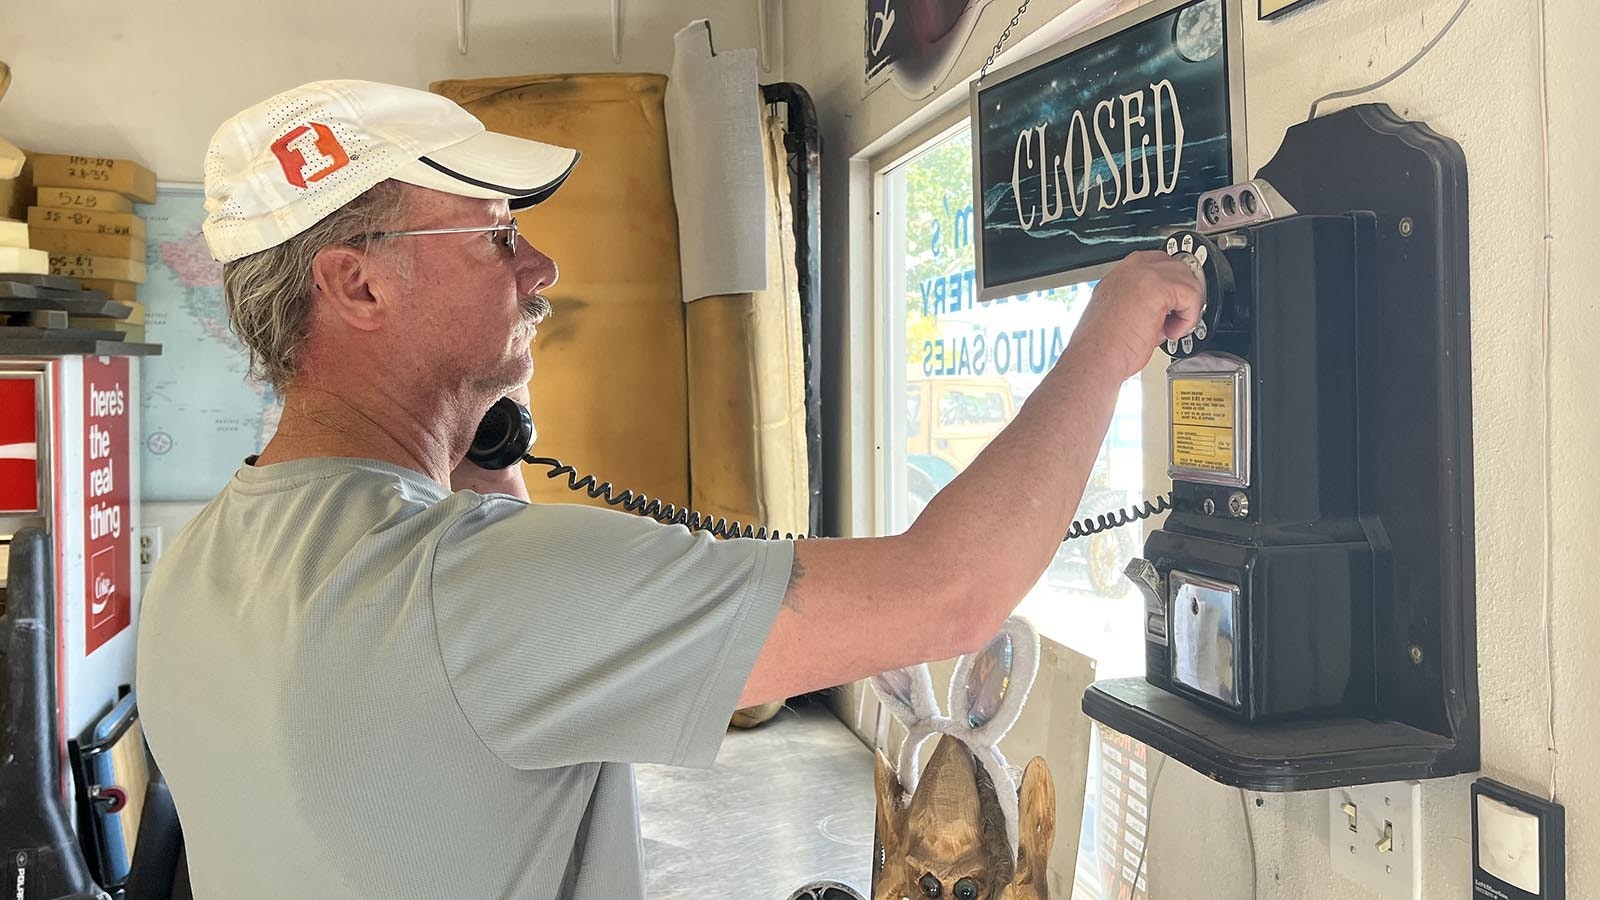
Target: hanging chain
x=1004, y=36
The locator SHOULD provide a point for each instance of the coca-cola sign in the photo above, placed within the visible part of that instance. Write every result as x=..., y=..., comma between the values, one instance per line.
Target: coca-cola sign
x=106, y=497
x=19, y=443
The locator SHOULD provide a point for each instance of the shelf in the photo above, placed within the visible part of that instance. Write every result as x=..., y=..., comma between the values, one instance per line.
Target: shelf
x=1284, y=756
x=75, y=347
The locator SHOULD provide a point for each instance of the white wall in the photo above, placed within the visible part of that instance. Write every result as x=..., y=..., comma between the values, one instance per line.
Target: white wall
x=151, y=80
x=1480, y=86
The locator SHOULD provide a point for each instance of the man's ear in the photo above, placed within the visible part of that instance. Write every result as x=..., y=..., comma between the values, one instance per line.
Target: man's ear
x=341, y=284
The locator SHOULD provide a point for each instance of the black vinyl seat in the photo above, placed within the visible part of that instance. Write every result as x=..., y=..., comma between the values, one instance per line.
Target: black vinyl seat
x=36, y=840
x=40, y=856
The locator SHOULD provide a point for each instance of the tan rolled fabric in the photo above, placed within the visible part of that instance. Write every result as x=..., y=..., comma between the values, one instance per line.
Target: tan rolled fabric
x=747, y=416
x=610, y=385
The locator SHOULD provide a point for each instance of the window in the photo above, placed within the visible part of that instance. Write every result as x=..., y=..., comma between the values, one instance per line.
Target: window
x=965, y=368
x=953, y=373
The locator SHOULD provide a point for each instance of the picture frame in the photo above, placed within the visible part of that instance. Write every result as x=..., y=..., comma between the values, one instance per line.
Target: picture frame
x=1271, y=9
x=916, y=43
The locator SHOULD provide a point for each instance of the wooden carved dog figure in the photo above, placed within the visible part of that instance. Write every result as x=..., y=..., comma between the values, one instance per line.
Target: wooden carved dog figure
x=948, y=840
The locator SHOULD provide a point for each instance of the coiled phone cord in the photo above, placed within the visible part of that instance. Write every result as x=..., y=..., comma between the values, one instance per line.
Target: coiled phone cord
x=506, y=433
x=667, y=513
x=1118, y=517
x=670, y=514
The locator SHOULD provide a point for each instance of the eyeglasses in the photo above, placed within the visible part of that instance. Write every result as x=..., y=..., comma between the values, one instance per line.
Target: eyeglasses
x=505, y=235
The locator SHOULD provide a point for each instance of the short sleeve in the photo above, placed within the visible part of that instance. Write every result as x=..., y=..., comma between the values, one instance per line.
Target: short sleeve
x=574, y=634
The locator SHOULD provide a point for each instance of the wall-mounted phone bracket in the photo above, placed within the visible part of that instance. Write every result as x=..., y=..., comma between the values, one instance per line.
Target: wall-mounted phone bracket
x=1401, y=702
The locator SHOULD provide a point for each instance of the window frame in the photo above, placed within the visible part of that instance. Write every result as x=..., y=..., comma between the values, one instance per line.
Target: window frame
x=889, y=431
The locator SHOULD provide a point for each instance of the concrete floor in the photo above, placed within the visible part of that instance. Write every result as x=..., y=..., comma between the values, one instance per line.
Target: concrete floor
x=787, y=803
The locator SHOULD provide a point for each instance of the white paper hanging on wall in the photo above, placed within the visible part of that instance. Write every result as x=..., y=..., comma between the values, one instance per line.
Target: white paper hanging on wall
x=715, y=144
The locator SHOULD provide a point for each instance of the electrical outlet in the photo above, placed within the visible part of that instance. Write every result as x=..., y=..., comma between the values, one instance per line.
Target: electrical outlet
x=1374, y=837
x=149, y=547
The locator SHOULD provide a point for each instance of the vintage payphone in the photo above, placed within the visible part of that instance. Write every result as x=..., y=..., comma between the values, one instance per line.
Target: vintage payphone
x=1308, y=600
x=1260, y=589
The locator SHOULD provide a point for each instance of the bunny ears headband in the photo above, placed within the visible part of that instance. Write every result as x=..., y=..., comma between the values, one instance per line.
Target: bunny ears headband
x=987, y=692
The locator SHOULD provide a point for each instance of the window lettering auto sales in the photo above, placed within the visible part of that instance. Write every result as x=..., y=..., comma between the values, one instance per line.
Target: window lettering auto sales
x=1001, y=350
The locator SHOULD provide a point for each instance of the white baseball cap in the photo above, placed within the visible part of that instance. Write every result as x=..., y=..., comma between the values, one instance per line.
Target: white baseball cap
x=279, y=167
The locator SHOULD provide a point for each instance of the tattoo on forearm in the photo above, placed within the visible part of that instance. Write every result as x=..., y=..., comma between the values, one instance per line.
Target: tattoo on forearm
x=791, y=600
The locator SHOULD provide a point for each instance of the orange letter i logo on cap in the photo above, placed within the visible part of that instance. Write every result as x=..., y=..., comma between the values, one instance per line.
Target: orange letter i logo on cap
x=318, y=139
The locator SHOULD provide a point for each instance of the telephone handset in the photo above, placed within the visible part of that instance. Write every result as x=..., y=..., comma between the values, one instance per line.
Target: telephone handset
x=503, y=437
x=506, y=432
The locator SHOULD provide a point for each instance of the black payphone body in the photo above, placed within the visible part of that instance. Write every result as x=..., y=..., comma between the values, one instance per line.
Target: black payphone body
x=1309, y=598
x=1262, y=448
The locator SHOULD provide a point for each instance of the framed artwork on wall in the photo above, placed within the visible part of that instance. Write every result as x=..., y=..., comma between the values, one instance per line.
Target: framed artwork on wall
x=1271, y=9
x=915, y=43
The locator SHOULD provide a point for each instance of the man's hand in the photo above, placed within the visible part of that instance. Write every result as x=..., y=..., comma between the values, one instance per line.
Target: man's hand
x=1145, y=299
x=467, y=476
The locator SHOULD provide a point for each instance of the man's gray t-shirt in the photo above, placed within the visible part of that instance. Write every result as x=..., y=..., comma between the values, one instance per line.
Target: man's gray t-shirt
x=359, y=684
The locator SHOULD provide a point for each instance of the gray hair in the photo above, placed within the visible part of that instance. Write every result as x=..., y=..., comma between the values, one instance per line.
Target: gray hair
x=269, y=293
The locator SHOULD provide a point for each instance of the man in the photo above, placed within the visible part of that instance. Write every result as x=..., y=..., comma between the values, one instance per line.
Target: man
x=370, y=669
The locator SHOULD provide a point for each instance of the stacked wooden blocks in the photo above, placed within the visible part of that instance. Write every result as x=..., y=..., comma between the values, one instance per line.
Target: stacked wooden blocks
x=83, y=218
x=69, y=274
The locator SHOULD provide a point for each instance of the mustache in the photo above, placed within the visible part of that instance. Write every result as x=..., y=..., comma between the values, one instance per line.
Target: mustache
x=536, y=309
